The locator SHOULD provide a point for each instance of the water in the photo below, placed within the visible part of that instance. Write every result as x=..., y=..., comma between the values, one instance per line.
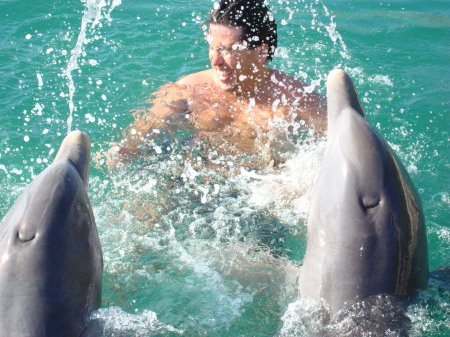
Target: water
x=220, y=259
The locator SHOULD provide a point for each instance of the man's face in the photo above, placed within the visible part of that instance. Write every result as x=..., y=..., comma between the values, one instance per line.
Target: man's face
x=232, y=62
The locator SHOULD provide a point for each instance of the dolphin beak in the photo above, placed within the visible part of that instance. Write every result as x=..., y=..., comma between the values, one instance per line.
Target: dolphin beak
x=76, y=147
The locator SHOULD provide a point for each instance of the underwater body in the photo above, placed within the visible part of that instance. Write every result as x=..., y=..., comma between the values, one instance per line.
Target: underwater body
x=219, y=260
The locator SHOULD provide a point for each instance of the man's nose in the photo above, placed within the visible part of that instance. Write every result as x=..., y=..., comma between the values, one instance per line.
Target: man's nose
x=216, y=58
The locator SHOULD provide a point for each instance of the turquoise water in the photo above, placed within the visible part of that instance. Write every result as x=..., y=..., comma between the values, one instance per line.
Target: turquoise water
x=220, y=261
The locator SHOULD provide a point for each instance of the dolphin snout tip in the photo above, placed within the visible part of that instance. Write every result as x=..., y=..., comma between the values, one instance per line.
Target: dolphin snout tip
x=76, y=147
x=77, y=137
x=337, y=75
x=341, y=94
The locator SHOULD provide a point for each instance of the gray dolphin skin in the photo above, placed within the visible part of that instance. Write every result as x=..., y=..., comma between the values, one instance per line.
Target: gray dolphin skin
x=50, y=255
x=366, y=233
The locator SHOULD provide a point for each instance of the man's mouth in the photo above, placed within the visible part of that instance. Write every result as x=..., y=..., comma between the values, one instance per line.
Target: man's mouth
x=224, y=75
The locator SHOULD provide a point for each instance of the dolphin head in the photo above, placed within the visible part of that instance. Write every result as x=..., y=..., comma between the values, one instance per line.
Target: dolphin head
x=365, y=229
x=50, y=254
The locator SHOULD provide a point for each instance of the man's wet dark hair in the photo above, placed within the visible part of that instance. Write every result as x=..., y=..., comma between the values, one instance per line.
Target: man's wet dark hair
x=257, y=22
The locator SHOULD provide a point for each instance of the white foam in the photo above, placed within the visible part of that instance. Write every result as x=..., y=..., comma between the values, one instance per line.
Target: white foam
x=116, y=322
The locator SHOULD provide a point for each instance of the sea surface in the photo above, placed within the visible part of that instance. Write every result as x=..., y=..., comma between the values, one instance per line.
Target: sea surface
x=222, y=258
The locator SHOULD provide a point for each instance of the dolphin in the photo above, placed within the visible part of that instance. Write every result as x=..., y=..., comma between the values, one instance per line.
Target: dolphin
x=366, y=233
x=50, y=255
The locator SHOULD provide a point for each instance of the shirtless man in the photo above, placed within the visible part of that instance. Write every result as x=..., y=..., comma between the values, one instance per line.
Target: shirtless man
x=232, y=105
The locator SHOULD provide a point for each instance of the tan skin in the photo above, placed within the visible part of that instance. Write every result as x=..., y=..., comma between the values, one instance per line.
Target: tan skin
x=232, y=103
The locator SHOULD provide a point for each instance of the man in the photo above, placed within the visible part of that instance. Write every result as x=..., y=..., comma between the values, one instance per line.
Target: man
x=234, y=105
x=242, y=39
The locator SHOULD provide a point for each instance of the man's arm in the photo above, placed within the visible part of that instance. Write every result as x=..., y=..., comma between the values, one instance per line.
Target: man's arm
x=314, y=113
x=306, y=105
x=168, y=112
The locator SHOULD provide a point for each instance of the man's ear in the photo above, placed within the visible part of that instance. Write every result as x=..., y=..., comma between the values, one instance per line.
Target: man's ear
x=263, y=53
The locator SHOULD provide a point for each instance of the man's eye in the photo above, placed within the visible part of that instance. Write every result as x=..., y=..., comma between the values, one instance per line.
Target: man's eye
x=222, y=50
x=238, y=46
x=226, y=51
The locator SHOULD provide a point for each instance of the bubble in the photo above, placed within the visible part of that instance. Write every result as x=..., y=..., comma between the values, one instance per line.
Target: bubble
x=89, y=118
x=39, y=78
x=157, y=149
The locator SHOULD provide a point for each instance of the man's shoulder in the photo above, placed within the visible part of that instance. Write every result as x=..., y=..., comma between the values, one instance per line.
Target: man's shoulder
x=200, y=77
x=294, y=88
x=286, y=80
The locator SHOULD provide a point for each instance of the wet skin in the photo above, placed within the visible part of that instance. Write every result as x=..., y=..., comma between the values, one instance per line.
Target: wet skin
x=233, y=102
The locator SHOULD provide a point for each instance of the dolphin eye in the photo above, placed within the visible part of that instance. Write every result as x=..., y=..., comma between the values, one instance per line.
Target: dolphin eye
x=25, y=237
x=370, y=202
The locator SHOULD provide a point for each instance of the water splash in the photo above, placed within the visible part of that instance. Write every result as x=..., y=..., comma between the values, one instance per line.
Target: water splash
x=334, y=35
x=114, y=321
x=92, y=16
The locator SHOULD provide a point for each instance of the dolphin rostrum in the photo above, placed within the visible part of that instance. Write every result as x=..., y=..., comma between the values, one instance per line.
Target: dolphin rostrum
x=366, y=233
x=50, y=255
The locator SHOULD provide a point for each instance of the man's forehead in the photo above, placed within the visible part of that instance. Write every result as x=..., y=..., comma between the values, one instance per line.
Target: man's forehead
x=223, y=32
